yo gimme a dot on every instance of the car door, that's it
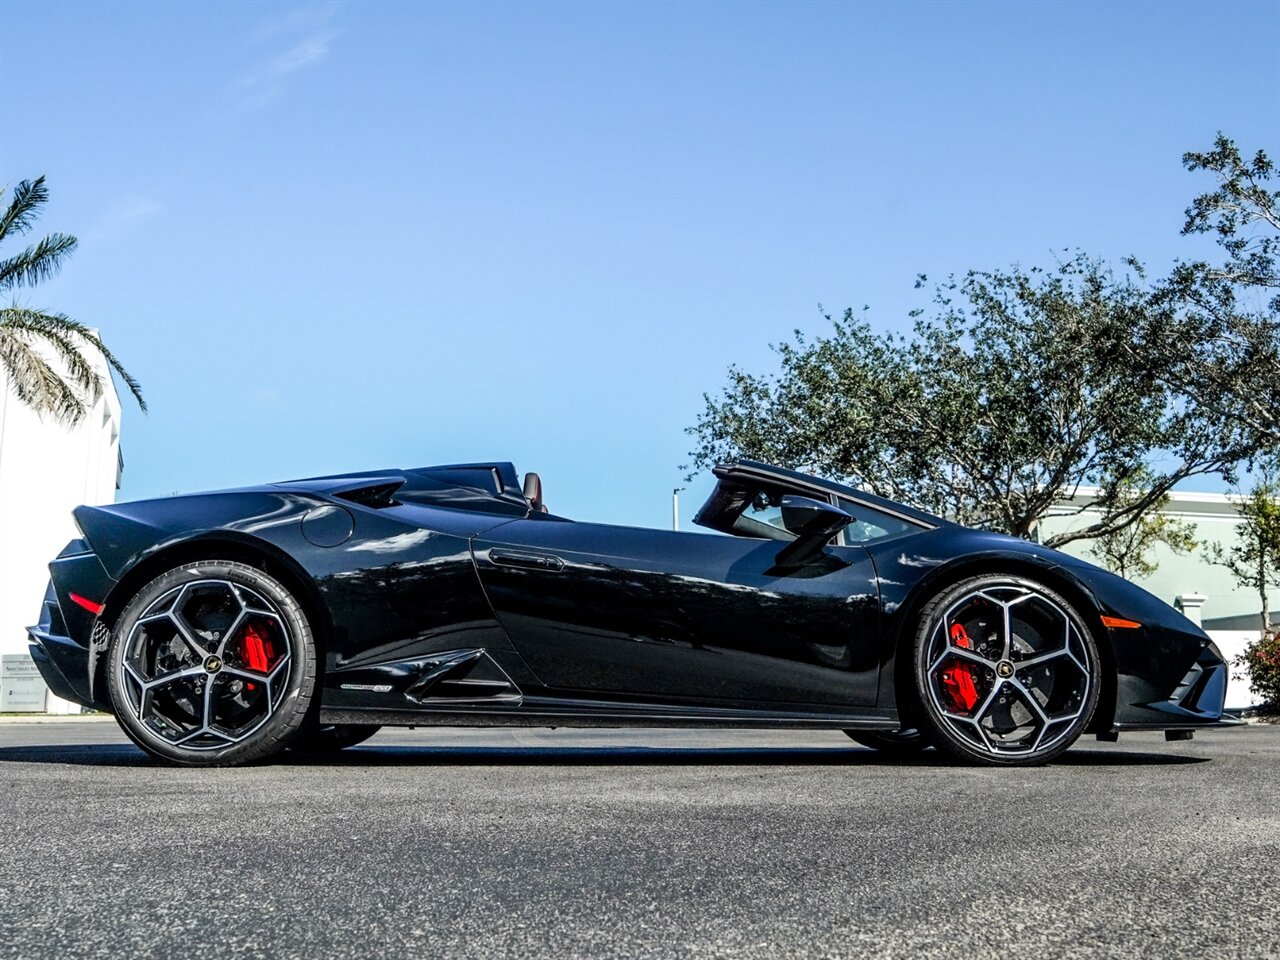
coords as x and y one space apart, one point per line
683 617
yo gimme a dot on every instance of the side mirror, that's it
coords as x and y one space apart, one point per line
806 517
814 522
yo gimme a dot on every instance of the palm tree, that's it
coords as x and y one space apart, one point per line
47 355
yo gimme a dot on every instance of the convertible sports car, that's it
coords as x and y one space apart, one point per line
223 627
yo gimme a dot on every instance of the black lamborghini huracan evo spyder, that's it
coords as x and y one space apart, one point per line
222 627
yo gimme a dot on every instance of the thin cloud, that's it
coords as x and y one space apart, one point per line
123 216
267 81
300 20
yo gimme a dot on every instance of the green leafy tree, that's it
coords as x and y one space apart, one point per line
47 356
1254 560
1241 213
1220 322
1261 663
1127 551
1019 387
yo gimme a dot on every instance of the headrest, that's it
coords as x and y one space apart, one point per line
533 491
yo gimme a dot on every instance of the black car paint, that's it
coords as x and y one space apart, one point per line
551 620
684 617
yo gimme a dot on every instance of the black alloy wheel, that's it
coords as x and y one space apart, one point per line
212 664
1007 671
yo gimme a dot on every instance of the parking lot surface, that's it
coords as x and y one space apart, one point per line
645 843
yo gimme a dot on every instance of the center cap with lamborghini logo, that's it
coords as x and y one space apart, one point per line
213 664
1005 669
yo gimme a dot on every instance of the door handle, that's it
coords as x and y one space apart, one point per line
526 561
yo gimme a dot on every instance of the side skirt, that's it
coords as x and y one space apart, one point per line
555 712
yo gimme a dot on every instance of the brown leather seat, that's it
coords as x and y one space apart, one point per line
533 492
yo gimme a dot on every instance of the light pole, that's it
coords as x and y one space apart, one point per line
675 508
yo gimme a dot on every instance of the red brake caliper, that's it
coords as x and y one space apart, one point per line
957 679
257 650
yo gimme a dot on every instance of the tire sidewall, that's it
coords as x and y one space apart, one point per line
289 715
940 729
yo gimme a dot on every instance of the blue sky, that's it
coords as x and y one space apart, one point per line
364 235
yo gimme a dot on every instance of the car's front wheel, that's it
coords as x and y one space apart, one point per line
212 664
1006 670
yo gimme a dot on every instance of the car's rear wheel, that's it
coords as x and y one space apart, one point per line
902 742
330 738
212 664
1006 670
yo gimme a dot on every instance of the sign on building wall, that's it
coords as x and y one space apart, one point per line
22 689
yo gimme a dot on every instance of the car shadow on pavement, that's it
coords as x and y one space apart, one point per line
372 755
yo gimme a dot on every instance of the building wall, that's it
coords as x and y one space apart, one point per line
1229 614
46 469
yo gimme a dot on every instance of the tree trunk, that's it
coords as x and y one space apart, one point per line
1262 585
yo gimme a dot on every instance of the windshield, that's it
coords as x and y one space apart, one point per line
870 524
748 509
762 517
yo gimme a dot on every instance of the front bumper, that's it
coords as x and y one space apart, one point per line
1166 696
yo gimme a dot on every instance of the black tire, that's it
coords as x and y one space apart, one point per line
332 738
903 743
1004 696
212 664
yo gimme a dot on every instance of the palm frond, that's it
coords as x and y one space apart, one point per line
95 341
62 322
61 335
38 262
28 197
34 380
22 330
47 356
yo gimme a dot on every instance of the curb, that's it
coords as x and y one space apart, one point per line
56 718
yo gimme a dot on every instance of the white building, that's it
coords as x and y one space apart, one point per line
1204 592
46 469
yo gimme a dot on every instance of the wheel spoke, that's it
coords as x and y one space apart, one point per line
189 639
258 676
231 631
137 677
1008 633
175 675
972 657
208 704
1041 658
986 704
1031 699
963 654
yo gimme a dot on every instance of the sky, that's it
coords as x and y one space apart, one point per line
364 235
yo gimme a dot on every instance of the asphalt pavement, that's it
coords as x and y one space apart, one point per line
638 843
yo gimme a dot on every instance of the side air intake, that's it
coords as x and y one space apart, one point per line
376 493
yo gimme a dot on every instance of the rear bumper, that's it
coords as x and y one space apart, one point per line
65 662
64 667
